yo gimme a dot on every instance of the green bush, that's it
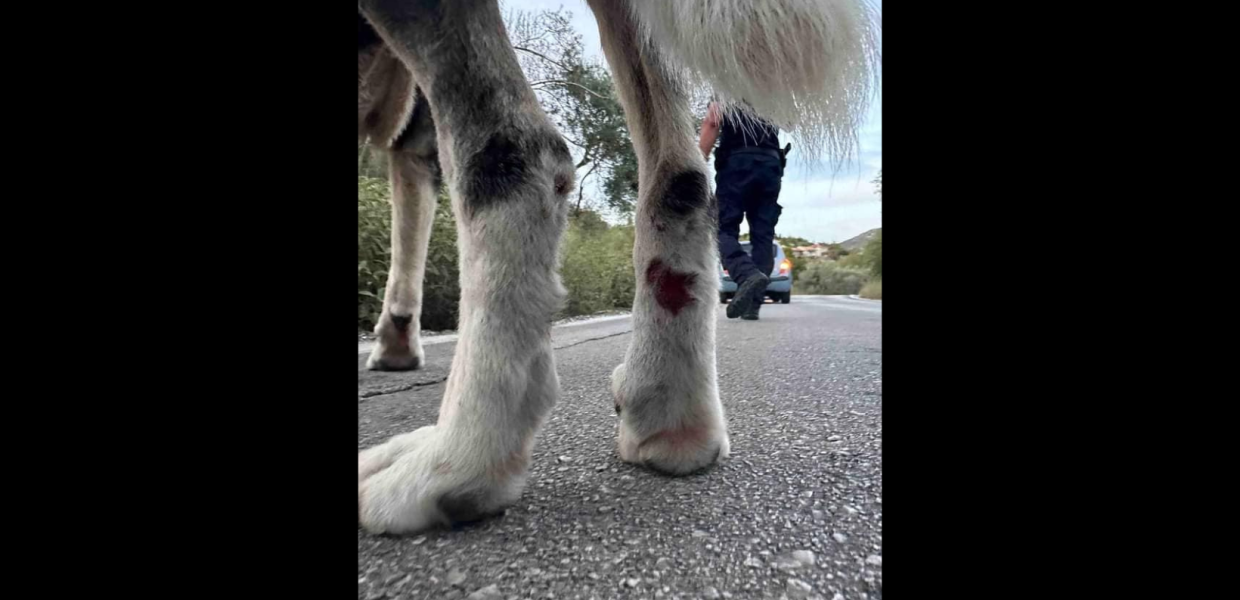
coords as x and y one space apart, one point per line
874 254
854 260
798 264
440 290
868 257
873 290
373 244
597 265
826 277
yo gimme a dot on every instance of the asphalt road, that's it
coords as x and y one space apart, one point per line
802 389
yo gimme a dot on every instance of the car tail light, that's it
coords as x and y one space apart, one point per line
785 266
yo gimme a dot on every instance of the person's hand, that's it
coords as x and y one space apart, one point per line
710 131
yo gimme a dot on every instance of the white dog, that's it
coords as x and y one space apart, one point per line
440 89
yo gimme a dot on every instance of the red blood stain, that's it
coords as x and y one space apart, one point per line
401 339
671 289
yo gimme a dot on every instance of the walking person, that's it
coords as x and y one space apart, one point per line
749 169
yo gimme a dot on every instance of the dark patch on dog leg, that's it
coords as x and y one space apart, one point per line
493 172
402 322
400 341
686 192
671 289
463 507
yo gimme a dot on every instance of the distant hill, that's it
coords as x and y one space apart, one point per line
859 242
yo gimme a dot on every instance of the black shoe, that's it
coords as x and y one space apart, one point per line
752 313
751 291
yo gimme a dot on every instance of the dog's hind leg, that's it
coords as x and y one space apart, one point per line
396 120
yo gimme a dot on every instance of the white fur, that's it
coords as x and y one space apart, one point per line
808 66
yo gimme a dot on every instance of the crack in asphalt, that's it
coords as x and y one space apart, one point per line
594 339
400 388
409 386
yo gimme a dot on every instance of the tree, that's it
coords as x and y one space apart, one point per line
878 185
580 98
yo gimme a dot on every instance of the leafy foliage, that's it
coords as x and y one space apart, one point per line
580 98
826 277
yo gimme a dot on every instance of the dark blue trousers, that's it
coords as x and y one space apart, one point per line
747 186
